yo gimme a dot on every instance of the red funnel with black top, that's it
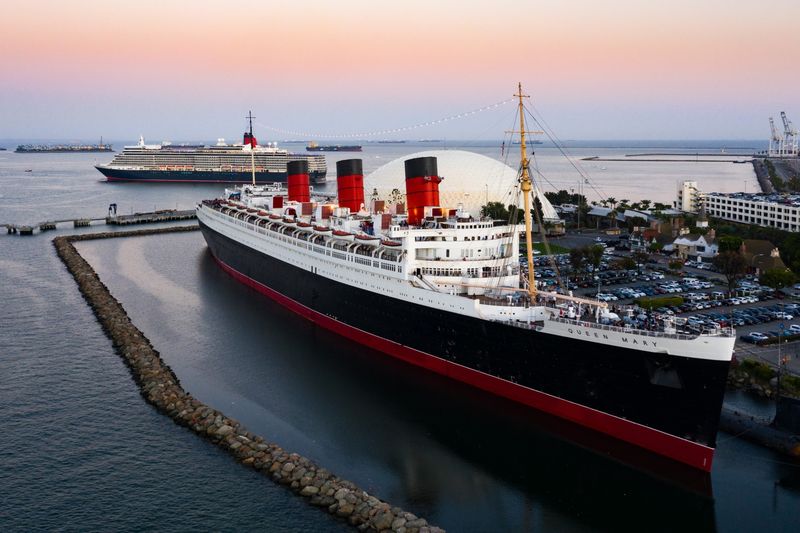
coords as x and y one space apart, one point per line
298 181
422 187
350 184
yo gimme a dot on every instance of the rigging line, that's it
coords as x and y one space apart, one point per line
557 142
318 135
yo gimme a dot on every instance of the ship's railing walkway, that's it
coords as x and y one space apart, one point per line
722 332
329 251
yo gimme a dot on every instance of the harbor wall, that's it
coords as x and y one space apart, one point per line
762 175
160 387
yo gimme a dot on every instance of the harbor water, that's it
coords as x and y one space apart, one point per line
81 450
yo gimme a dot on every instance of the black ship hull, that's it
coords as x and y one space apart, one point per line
198 176
613 390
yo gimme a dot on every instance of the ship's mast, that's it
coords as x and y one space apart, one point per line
526 186
252 148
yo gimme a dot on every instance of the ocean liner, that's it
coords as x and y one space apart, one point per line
222 163
443 289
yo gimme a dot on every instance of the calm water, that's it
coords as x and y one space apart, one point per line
81 450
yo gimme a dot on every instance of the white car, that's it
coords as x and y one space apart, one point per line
783 316
758 336
794 328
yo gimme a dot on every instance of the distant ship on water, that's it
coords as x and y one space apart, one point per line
62 148
221 163
314 147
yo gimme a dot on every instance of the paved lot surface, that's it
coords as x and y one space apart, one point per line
766 354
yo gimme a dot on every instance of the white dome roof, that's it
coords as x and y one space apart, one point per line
469 178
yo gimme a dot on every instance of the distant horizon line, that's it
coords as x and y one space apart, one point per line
378 141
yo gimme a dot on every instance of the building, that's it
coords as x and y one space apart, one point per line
690 198
769 210
761 255
693 246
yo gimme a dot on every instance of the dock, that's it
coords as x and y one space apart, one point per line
164 215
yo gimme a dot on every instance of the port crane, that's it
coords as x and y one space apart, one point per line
790 135
776 141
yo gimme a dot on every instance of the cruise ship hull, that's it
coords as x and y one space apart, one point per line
199 176
617 391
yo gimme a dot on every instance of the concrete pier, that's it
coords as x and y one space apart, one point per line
166 215
161 388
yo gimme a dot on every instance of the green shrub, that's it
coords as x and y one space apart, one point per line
774 340
653 302
760 371
790 385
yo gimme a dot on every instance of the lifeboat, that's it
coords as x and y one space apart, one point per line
304 226
372 240
251 210
262 213
343 235
275 217
387 242
289 221
322 230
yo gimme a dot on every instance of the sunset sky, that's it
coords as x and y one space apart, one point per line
596 70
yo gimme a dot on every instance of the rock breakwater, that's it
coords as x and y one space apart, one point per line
161 388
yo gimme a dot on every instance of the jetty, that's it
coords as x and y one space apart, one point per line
160 387
164 215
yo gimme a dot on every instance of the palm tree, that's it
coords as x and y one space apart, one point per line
612 201
645 204
613 216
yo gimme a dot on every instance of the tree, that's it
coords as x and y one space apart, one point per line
676 265
732 265
612 217
656 246
777 278
624 263
594 255
729 243
640 257
645 204
612 202
577 258
495 211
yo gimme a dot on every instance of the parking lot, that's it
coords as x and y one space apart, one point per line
754 311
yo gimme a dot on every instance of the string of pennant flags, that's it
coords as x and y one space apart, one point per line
361 135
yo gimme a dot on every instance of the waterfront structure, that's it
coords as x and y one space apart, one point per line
690 199
440 288
781 211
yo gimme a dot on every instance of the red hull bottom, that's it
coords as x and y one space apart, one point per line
681 450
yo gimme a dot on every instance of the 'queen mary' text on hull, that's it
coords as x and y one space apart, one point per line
440 289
